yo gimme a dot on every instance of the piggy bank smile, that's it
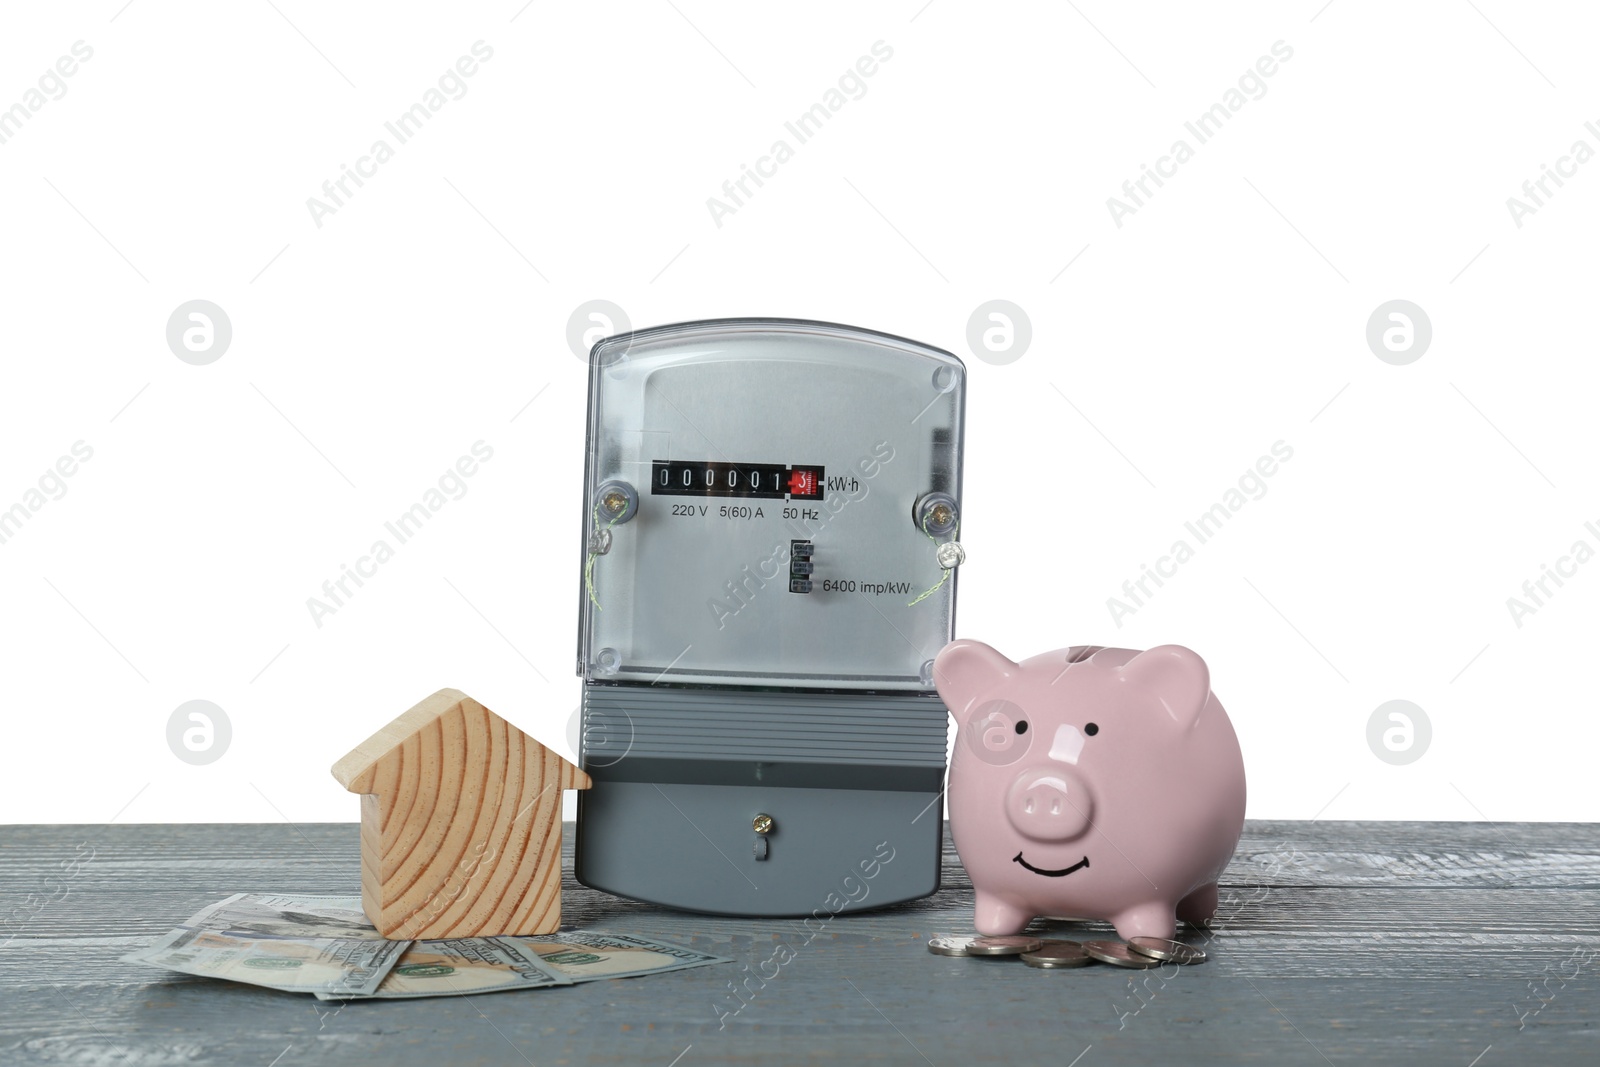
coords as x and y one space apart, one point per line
1062 873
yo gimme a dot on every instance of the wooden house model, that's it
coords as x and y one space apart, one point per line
460 823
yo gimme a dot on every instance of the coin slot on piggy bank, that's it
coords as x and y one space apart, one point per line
757 615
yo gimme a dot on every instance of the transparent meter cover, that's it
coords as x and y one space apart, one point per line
764 504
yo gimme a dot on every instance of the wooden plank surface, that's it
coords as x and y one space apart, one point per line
1336 942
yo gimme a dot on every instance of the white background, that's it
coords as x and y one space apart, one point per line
430 312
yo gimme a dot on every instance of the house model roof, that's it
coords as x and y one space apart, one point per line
358 770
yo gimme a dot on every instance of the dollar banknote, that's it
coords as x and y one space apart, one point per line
300 943
457 967
584 956
304 943
467 965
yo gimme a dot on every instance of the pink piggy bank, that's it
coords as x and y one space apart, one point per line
1096 782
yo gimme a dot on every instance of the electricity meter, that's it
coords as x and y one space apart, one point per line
771 516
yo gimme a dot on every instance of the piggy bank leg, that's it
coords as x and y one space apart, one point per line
1198 907
994 917
1154 919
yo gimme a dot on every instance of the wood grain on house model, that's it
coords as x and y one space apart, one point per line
460 823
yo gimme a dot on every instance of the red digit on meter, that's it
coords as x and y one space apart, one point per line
802 482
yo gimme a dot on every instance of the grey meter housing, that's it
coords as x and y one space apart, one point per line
770 521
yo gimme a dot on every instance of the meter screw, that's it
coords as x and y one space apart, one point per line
762 825
936 514
615 502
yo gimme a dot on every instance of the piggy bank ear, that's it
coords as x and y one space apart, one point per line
965 670
1175 676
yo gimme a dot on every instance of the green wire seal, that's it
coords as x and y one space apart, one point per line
594 554
945 577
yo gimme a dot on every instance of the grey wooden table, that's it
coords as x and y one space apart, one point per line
1421 943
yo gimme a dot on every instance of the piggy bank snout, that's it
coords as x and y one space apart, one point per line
1049 804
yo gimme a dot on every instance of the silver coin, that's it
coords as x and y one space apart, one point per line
949 946
1163 948
1056 954
1009 945
1119 955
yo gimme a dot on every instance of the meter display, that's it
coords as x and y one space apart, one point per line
768 567
704 478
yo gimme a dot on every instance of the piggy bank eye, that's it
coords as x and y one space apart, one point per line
1091 729
998 733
